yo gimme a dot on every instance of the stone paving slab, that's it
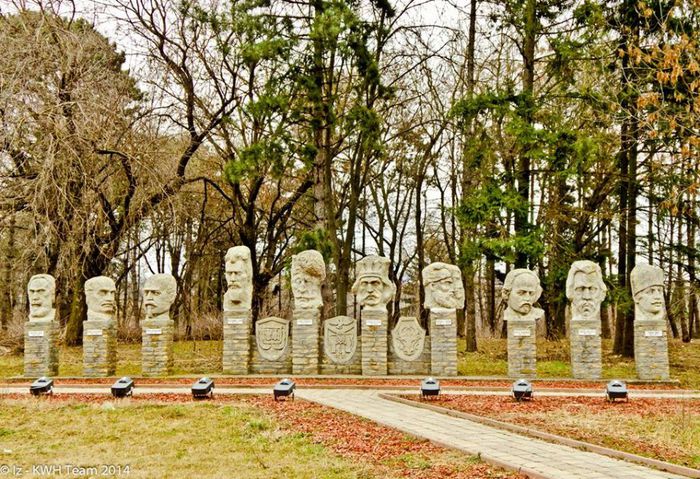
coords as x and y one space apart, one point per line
534 457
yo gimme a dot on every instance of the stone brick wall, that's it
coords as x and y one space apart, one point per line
261 365
374 343
396 365
522 348
306 328
651 349
586 349
443 342
237 341
41 348
99 348
157 346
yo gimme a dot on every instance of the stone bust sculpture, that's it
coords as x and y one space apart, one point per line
41 291
100 293
158 295
239 278
585 289
372 286
647 284
308 272
521 290
443 286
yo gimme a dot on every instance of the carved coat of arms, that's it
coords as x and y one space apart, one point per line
340 338
272 336
408 339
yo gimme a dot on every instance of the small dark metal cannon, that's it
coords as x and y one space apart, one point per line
522 390
616 389
203 388
123 387
284 388
41 386
429 387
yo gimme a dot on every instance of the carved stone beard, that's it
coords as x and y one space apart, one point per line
235 298
534 314
45 314
99 316
577 314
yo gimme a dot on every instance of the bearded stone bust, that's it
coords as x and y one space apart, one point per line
443 286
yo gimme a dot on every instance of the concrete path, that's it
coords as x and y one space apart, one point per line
538 459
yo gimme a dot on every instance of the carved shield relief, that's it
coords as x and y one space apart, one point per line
272 336
408 339
340 338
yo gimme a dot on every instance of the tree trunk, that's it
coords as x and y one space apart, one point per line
470 319
7 292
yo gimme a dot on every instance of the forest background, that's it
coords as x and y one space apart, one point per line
144 136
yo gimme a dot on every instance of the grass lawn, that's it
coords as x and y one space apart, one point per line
553 361
668 430
242 438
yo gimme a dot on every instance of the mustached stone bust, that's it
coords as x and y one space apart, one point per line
41 291
239 278
373 287
521 290
100 296
443 286
308 273
585 289
158 295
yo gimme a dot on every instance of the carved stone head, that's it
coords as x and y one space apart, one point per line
158 295
521 290
308 272
372 286
239 278
41 291
647 284
585 289
100 293
443 286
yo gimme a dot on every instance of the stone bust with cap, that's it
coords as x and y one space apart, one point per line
41 291
443 286
585 289
521 290
308 273
372 286
647 284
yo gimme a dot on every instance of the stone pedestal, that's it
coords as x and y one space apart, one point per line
522 348
99 348
443 342
237 341
41 348
651 349
157 346
586 349
306 327
374 342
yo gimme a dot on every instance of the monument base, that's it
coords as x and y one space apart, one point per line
237 341
443 342
374 342
99 348
651 350
306 327
41 348
157 346
522 348
586 349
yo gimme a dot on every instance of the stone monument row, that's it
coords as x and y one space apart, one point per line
586 291
42 330
100 328
310 344
650 339
521 290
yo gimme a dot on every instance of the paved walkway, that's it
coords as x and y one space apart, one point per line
536 458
